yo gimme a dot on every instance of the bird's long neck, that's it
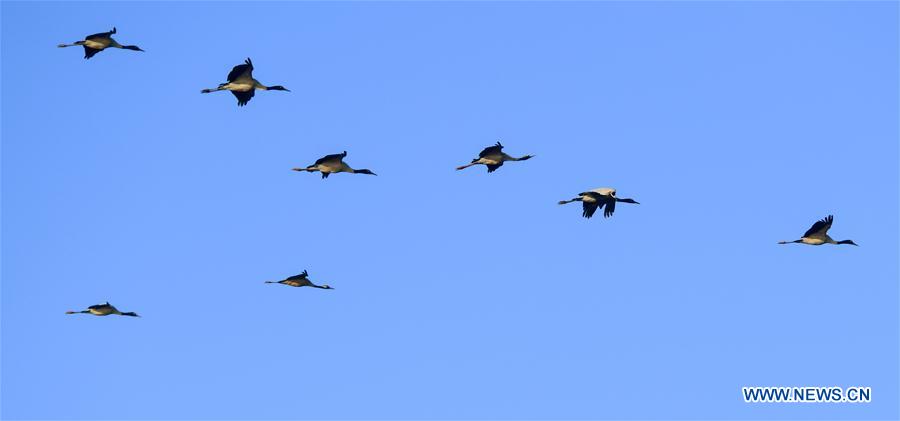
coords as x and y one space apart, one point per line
74 44
129 313
577 199
260 86
78 312
789 242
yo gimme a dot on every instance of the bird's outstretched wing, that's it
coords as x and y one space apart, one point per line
100 35
338 157
493 167
241 70
244 97
590 207
491 150
297 277
90 52
820 227
610 207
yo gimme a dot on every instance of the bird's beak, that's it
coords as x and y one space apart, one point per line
296 169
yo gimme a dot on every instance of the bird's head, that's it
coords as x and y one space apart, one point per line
364 171
130 313
298 169
71 312
629 201
526 157
326 286
132 47
278 88
848 242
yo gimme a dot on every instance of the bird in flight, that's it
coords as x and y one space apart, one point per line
493 157
242 84
818 234
98 42
330 164
301 280
595 199
103 310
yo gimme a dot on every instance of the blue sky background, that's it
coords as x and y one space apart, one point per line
458 294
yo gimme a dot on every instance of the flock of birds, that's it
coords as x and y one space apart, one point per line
243 86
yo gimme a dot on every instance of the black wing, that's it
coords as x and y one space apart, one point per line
100 35
493 167
610 207
239 70
89 52
338 157
297 277
244 97
823 224
589 208
491 150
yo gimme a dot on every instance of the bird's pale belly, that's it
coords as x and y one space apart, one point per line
99 313
95 45
813 241
240 87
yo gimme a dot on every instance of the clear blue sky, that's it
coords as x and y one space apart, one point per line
458 294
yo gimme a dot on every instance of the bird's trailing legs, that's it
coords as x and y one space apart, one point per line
220 88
